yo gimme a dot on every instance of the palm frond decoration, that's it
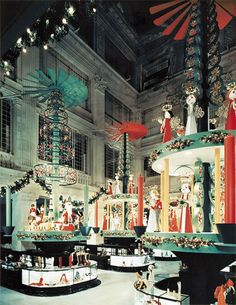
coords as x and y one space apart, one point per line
72 89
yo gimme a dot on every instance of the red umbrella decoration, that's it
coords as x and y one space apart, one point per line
134 130
126 131
180 11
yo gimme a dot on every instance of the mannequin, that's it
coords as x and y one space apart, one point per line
131 184
185 218
166 127
109 189
117 185
191 126
231 114
155 212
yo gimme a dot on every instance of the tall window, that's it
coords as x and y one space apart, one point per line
5 126
53 60
118 61
80 144
111 161
115 110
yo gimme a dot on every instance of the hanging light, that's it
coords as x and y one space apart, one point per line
64 21
45 47
24 50
70 10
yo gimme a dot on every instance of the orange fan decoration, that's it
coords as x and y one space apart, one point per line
180 11
134 130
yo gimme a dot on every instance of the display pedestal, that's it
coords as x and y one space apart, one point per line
95 239
203 275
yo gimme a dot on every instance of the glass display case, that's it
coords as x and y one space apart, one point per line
59 277
130 260
153 295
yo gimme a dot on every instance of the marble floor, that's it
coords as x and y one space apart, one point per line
116 289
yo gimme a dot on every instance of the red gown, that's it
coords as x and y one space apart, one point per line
231 117
166 129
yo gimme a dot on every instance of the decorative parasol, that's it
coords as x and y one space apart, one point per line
126 131
134 130
175 15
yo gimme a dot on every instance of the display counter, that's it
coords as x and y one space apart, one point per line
130 262
49 281
152 295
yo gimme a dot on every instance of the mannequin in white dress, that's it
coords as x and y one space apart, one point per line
117 190
191 126
155 212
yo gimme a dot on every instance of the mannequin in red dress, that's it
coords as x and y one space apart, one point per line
166 127
231 115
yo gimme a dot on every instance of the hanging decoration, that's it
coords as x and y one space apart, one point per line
24 181
126 132
6 66
52 26
61 90
215 81
175 15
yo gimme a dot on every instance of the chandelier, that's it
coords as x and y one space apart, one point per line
60 90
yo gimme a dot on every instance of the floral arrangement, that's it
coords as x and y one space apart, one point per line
122 196
179 144
154 155
125 233
44 236
214 137
184 242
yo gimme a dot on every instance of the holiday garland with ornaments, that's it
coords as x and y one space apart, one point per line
29 175
184 242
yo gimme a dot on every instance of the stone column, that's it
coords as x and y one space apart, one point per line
98 109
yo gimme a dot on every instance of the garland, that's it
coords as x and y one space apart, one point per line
179 144
44 236
123 196
214 137
183 242
119 233
98 195
21 183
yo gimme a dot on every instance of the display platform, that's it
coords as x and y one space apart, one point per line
187 149
203 258
187 242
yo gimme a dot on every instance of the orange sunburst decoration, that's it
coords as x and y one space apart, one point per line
134 130
180 10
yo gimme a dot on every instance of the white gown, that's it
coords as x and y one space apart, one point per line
191 126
